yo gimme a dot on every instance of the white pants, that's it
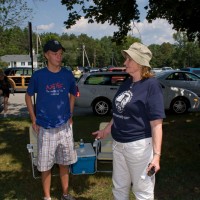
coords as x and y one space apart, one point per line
130 161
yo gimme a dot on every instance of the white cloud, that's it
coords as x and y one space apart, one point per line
157 32
46 27
95 30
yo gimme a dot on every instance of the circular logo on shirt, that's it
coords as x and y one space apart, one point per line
122 99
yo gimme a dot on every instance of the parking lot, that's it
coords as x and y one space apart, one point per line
17 107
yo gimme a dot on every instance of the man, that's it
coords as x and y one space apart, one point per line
56 90
77 73
5 86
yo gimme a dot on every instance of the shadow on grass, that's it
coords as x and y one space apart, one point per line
178 179
15 164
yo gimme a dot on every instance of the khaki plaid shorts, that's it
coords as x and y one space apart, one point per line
55 145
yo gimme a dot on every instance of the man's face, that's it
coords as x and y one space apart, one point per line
54 58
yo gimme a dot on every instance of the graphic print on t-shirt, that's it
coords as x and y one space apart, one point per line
55 88
122 99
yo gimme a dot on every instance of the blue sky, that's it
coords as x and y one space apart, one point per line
49 15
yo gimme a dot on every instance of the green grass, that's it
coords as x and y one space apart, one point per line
179 178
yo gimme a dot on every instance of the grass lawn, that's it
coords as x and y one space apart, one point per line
179 178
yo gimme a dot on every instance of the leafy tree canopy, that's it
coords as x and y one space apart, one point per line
104 11
13 13
184 15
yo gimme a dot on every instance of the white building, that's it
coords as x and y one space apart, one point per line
20 60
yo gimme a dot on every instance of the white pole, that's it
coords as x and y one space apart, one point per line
83 55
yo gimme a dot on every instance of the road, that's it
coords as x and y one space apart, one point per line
17 107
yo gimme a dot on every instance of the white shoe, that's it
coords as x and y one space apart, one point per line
5 115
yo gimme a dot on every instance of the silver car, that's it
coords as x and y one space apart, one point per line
97 90
180 79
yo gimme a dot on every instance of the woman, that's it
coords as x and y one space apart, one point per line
136 127
4 90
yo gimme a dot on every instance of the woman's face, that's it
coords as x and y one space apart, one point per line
132 67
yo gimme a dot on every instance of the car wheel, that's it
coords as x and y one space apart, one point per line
179 105
101 107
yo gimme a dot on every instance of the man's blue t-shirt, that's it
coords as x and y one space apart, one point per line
52 102
134 106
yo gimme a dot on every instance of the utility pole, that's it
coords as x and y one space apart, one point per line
94 57
38 42
112 57
83 52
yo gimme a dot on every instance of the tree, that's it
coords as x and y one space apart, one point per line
13 13
184 15
102 11
186 54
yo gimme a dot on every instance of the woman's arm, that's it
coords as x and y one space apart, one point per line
101 134
156 129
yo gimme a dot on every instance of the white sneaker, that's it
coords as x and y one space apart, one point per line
46 198
5 115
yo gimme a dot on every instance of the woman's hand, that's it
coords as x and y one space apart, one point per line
154 163
100 134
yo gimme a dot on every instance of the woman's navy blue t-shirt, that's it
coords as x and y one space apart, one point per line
134 106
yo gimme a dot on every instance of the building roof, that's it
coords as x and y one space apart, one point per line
18 58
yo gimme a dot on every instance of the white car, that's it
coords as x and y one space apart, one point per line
97 90
180 79
180 100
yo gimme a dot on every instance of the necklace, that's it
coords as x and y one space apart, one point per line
132 85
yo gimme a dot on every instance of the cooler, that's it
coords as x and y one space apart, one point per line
85 160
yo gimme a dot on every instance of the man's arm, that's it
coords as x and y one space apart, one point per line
29 104
72 99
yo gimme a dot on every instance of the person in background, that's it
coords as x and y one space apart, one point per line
5 86
136 127
77 73
56 91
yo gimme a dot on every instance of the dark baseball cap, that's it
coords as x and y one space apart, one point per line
53 45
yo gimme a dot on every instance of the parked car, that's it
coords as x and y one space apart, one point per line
167 68
179 100
116 69
94 69
156 70
180 79
20 77
97 90
84 69
193 70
